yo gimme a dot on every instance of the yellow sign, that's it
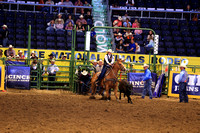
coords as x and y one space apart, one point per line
137 58
2 70
193 85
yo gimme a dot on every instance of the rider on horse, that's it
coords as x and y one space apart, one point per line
108 61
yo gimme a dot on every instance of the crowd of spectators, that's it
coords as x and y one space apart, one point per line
66 3
60 24
124 38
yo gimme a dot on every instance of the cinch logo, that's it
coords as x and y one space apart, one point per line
16 77
138 84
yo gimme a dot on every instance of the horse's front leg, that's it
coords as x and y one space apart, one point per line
93 86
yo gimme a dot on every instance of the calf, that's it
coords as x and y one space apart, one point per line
125 87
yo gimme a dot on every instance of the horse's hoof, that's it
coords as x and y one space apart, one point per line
92 97
103 98
108 100
118 100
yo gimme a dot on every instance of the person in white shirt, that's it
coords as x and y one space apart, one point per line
130 3
51 71
108 62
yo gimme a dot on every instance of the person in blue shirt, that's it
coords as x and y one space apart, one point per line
132 46
147 80
183 78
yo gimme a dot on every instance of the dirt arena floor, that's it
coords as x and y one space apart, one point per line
62 112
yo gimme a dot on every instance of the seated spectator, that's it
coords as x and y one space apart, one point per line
195 17
116 32
86 4
127 33
120 47
59 26
21 56
51 26
17 58
33 55
117 22
187 15
138 32
60 8
59 19
84 81
93 35
137 48
47 8
82 20
125 24
68 3
4 35
69 26
132 47
39 8
1 53
69 20
88 16
80 27
130 3
128 39
150 39
125 17
10 51
63 57
135 24
118 38
78 3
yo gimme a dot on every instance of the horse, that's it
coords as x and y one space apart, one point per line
110 79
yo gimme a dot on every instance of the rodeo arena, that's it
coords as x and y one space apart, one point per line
100 66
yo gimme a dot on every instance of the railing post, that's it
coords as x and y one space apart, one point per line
29 43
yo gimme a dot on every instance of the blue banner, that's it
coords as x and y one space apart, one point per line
193 86
158 88
18 77
136 78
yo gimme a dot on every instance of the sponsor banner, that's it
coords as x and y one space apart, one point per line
18 77
193 86
136 78
2 77
137 58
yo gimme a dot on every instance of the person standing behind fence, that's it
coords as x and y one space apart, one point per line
100 66
51 71
183 79
84 81
148 81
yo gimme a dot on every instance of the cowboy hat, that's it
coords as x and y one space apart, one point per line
120 18
130 34
84 72
59 14
33 52
145 65
5 26
109 50
59 19
10 46
81 16
20 51
119 34
51 54
17 56
183 65
53 60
